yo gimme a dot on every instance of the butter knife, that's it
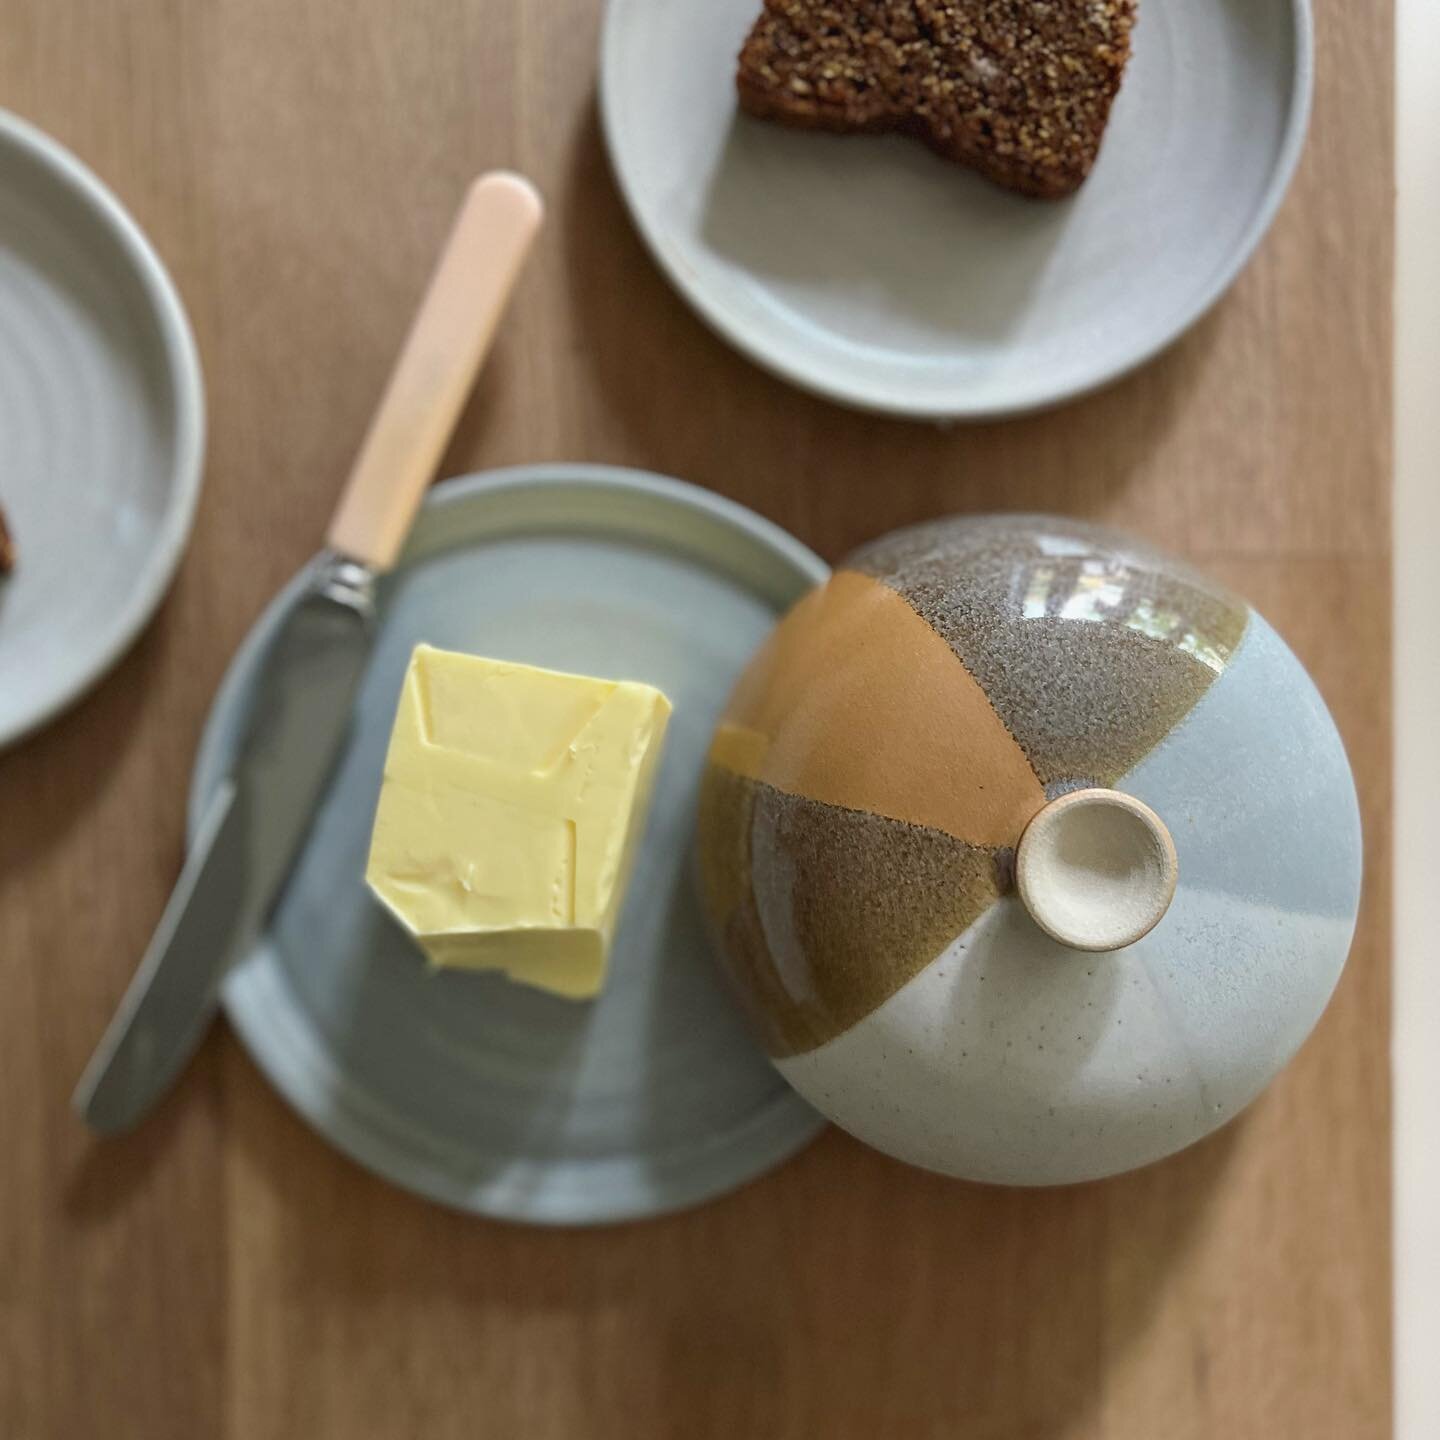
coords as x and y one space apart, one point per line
252 827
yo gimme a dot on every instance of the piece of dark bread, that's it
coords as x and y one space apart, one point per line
1018 89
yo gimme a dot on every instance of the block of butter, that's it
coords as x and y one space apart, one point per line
510 814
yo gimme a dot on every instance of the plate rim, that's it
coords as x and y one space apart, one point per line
670 259
186 379
296 1080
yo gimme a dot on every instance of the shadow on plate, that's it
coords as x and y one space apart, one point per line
781 205
501 1089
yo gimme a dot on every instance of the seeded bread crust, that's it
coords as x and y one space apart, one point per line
1020 90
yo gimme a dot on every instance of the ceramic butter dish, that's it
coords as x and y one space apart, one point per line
1033 854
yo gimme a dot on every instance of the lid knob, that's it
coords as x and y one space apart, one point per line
1096 869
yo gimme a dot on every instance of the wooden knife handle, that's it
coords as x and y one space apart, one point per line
443 352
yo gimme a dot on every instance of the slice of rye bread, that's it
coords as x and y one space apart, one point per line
1018 89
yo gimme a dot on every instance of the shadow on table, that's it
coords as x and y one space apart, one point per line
112 1172
55 775
731 426
844 1289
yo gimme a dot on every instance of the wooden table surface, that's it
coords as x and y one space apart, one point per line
224 1273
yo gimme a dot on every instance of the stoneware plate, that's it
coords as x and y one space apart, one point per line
101 427
465 1087
871 271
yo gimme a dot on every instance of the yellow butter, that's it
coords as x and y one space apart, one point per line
510 814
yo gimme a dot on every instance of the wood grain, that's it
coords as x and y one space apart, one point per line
223 1273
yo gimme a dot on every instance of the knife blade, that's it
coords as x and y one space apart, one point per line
307 678
244 846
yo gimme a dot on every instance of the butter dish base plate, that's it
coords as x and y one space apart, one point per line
467 1088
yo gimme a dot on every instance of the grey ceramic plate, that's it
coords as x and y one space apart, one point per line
873 272
469 1089
101 427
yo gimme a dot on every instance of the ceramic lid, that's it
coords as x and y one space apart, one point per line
1189 868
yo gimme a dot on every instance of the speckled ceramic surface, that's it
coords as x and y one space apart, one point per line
872 777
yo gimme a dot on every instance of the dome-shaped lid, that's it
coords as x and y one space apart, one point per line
1187 877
